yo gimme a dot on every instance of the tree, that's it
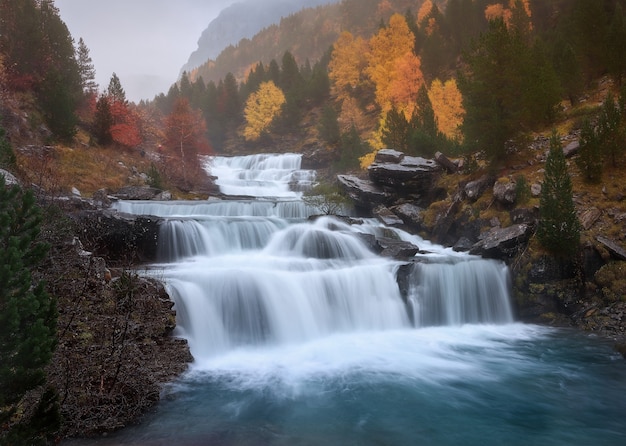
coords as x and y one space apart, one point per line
86 68
388 46
115 91
27 312
559 229
447 104
611 129
347 65
326 198
7 155
328 126
589 160
185 132
103 120
262 108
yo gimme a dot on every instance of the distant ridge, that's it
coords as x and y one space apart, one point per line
243 20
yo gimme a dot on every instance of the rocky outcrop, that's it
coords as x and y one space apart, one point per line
502 243
404 173
365 193
119 237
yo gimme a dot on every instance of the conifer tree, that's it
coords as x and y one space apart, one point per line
27 312
86 68
589 160
559 228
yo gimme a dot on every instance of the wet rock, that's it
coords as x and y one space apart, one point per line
387 217
395 248
411 173
389 156
502 243
411 214
364 193
463 245
138 193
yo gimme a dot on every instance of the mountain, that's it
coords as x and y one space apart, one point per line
243 20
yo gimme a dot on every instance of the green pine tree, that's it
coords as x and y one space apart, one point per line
559 228
589 160
7 156
27 312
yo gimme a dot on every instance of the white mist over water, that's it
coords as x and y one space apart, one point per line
300 335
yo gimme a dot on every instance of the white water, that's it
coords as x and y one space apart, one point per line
256 273
300 336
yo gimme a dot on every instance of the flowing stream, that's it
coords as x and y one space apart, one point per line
301 336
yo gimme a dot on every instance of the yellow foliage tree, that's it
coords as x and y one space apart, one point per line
517 15
390 44
447 103
347 64
423 12
262 107
406 84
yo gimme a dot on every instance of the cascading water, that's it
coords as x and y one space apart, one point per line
301 335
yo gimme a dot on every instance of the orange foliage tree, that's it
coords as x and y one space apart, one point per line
447 103
185 133
125 130
406 84
347 65
387 47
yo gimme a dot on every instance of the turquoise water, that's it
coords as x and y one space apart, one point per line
472 385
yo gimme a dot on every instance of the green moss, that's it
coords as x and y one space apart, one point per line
612 280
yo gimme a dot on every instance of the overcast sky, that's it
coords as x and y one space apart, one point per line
145 42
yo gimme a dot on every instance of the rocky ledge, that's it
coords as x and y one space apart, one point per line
588 291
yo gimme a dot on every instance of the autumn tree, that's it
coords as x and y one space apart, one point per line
389 46
447 104
559 229
185 132
262 108
347 65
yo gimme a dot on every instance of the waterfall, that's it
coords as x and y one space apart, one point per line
250 273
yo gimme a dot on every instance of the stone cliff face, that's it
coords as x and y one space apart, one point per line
587 291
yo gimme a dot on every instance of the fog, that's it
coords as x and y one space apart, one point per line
145 42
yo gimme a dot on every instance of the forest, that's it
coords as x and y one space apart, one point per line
473 79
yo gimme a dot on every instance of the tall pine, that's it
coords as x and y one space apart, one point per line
27 312
559 228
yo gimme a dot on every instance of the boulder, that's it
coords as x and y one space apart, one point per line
614 249
446 163
529 216
411 214
504 191
571 149
474 189
364 193
9 178
395 248
502 243
535 190
387 217
119 237
589 217
411 173
388 156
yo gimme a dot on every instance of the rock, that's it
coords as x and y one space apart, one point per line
463 244
411 173
535 190
504 191
138 193
502 243
9 178
616 251
589 217
119 237
571 149
389 156
446 163
364 193
529 216
395 248
101 198
411 215
474 189
387 217
165 195
75 192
